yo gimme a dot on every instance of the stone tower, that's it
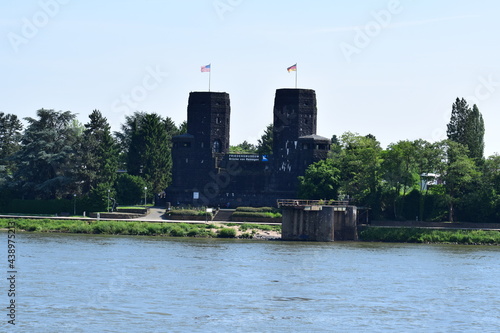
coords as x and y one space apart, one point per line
294 116
295 143
196 154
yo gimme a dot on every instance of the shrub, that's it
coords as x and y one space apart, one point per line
227 233
257 214
415 235
177 232
257 209
189 212
129 189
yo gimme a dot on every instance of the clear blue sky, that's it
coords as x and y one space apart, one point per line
389 68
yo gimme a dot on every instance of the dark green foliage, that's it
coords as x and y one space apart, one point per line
10 138
475 134
45 163
416 235
265 143
97 199
182 128
459 114
359 161
321 181
43 207
130 189
98 157
466 127
460 175
411 204
149 150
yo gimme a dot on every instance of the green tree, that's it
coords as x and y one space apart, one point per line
466 127
124 136
482 203
45 162
149 153
243 148
360 166
10 138
492 172
406 165
97 199
265 143
321 181
400 166
459 175
182 129
399 171
474 134
98 154
129 189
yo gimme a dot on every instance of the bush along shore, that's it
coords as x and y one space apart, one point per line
420 235
258 214
210 230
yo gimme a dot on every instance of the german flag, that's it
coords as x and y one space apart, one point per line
292 68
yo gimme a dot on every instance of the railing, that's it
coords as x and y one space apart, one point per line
300 203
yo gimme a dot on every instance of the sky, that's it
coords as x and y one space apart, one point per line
388 68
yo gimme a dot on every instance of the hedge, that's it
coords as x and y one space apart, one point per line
256 209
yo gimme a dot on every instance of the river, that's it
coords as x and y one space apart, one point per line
82 283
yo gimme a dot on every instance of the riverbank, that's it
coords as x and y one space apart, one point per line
246 231
142 228
437 236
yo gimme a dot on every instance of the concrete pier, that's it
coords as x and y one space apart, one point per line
316 221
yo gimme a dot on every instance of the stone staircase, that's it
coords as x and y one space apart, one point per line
224 215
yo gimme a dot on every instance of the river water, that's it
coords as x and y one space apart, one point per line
81 283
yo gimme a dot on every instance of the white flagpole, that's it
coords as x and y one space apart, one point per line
209 77
296 73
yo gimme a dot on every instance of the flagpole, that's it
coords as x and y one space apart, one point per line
209 78
296 73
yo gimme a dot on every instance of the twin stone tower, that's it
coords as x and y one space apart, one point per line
205 173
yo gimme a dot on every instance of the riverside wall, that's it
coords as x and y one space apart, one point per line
319 223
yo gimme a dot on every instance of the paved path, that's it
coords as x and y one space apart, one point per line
155 214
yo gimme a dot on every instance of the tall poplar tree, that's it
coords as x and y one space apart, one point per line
474 134
466 127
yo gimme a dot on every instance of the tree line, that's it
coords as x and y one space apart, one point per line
448 180
56 157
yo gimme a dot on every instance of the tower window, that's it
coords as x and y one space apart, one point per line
217 120
216 146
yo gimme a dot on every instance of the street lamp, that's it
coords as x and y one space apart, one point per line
74 204
108 199
145 189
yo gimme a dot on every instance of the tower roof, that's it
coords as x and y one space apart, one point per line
314 137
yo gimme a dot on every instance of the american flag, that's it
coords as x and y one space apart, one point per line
205 69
